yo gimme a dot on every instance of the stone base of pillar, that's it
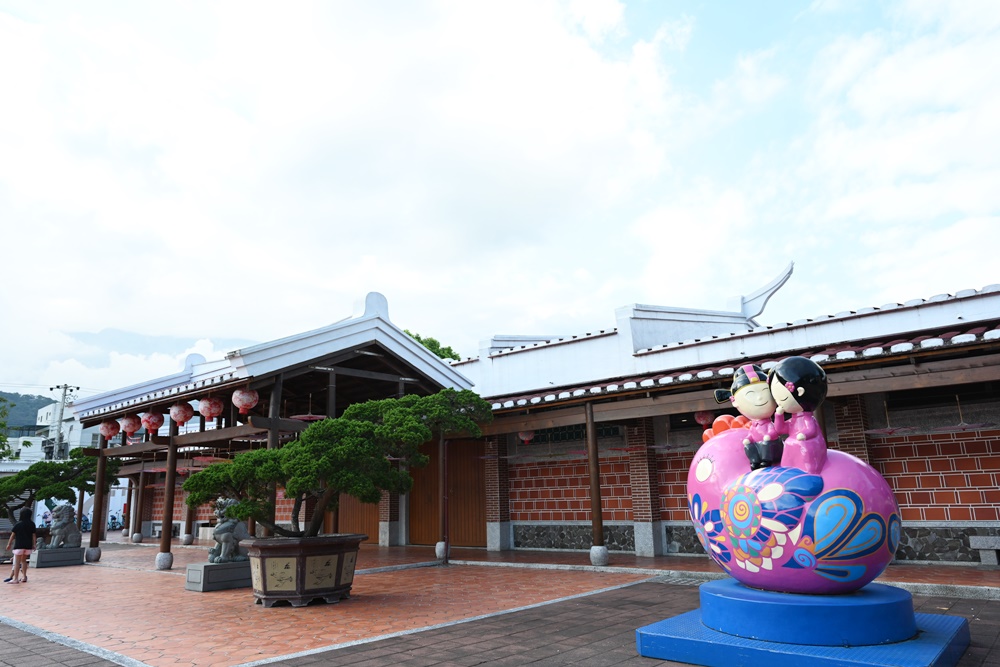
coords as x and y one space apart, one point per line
136 538
499 536
598 556
439 551
164 560
388 534
92 554
650 540
188 538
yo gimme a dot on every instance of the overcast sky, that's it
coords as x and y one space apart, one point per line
197 176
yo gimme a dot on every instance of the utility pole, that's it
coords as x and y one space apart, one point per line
66 389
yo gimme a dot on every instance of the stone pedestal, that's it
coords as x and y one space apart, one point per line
205 577
57 557
164 560
599 556
874 626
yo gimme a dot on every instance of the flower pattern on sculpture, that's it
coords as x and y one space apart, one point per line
837 531
711 532
762 511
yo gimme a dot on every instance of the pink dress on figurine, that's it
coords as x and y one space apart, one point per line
805 447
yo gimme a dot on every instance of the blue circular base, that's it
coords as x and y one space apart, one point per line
876 614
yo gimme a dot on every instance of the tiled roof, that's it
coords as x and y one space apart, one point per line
844 351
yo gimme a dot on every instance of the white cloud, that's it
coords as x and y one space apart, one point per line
190 170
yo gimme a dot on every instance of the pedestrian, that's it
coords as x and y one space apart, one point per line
24 535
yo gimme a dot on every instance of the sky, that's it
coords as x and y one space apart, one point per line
195 177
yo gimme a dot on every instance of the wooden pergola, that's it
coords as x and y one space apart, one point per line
298 380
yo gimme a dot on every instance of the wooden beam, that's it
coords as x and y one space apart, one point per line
915 376
134 450
368 375
862 381
215 435
603 412
282 424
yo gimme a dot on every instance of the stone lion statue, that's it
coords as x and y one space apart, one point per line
64 531
228 533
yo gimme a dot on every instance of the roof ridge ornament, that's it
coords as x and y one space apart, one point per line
753 304
376 305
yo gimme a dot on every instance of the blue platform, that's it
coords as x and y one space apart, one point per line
932 640
876 614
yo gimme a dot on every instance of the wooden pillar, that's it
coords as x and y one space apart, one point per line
79 508
168 490
102 467
189 521
594 463
273 413
140 502
129 508
331 395
443 494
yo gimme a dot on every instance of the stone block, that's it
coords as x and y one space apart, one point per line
205 577
59 557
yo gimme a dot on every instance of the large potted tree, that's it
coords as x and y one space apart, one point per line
367 450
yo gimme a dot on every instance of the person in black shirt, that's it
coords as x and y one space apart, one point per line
23 535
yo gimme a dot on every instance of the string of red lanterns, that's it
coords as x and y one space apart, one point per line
209 407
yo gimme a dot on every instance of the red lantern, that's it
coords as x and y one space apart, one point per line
704 417
210 407
181 413
130 424
109 428
152 421
526 436
244 399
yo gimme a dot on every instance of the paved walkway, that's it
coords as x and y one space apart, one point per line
512 608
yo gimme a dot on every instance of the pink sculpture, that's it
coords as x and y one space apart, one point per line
821 522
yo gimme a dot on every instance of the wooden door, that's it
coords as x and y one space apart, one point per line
358 517
466 496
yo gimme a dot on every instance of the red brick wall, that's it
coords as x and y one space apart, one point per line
497 480
642 471
153 511
388 507
851 414
560 490
672 473
942 476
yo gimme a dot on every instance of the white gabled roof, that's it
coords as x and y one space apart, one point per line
270 358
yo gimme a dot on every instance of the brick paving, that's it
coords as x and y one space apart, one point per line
123 612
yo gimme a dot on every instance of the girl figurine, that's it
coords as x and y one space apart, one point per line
751 396
798 385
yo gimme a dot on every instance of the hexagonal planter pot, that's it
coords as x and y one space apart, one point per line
299 570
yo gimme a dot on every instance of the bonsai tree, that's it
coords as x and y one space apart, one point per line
362 453
58 480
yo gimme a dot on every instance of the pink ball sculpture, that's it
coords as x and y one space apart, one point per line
817 522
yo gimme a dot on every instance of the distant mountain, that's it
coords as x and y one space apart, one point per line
26 407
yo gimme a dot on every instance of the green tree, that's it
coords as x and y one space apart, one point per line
58 480
5 407
434 346
367 450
